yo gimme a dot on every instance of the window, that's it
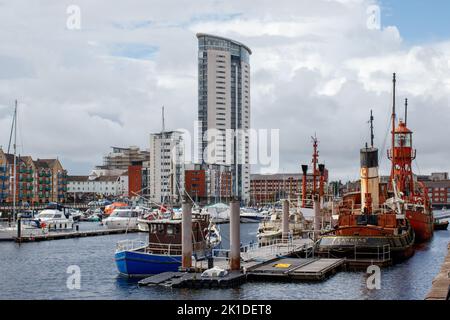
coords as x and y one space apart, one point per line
403 140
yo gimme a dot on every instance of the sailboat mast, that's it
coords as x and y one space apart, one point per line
15 162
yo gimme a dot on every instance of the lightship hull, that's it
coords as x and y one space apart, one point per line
422 225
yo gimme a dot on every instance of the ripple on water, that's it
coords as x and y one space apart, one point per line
38 271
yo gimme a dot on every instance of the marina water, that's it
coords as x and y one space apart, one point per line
39 271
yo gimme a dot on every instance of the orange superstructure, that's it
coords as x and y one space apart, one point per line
414 194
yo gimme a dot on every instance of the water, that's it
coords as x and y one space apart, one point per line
39 271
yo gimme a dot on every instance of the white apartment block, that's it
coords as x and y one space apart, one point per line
166 167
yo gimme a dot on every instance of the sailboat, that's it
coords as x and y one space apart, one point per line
21 227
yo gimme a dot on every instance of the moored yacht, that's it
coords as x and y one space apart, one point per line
270 229
122 218
252 216
55 219
28 228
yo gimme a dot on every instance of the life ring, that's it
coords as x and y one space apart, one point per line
43 225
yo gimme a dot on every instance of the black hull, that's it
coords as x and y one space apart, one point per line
441 225
381 248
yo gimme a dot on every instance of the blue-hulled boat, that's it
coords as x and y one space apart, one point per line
162 252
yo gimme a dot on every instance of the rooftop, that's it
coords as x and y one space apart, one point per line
226 39
277 176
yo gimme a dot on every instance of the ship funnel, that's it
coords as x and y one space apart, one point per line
369 179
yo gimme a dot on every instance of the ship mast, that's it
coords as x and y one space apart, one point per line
314 162
393 130
371 129
406 112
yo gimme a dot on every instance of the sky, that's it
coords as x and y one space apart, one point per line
317 67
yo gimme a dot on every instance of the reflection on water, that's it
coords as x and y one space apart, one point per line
38 271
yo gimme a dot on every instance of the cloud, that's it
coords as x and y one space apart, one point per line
316 68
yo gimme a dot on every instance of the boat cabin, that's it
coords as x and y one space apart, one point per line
164 234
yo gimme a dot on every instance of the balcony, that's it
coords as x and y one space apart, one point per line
45 175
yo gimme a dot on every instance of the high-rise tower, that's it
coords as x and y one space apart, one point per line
224 107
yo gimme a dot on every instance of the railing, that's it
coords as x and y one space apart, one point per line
259 250
161 248
125 245
382 253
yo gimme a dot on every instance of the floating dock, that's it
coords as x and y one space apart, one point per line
194 280
440 289
309 269
74 234
278 261
293 269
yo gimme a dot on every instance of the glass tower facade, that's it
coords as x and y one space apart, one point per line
224 107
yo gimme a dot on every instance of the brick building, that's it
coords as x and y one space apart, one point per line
208 183
269 188
37 181
438 186
135 179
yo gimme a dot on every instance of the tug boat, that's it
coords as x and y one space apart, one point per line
162 252
367 229
374 224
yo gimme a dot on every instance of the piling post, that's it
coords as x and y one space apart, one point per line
317 217
186 233
19 228
235 235
285 219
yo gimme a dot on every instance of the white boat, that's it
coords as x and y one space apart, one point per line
271 229
29 228
55 219
219 213
75 214
122 219
252 216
